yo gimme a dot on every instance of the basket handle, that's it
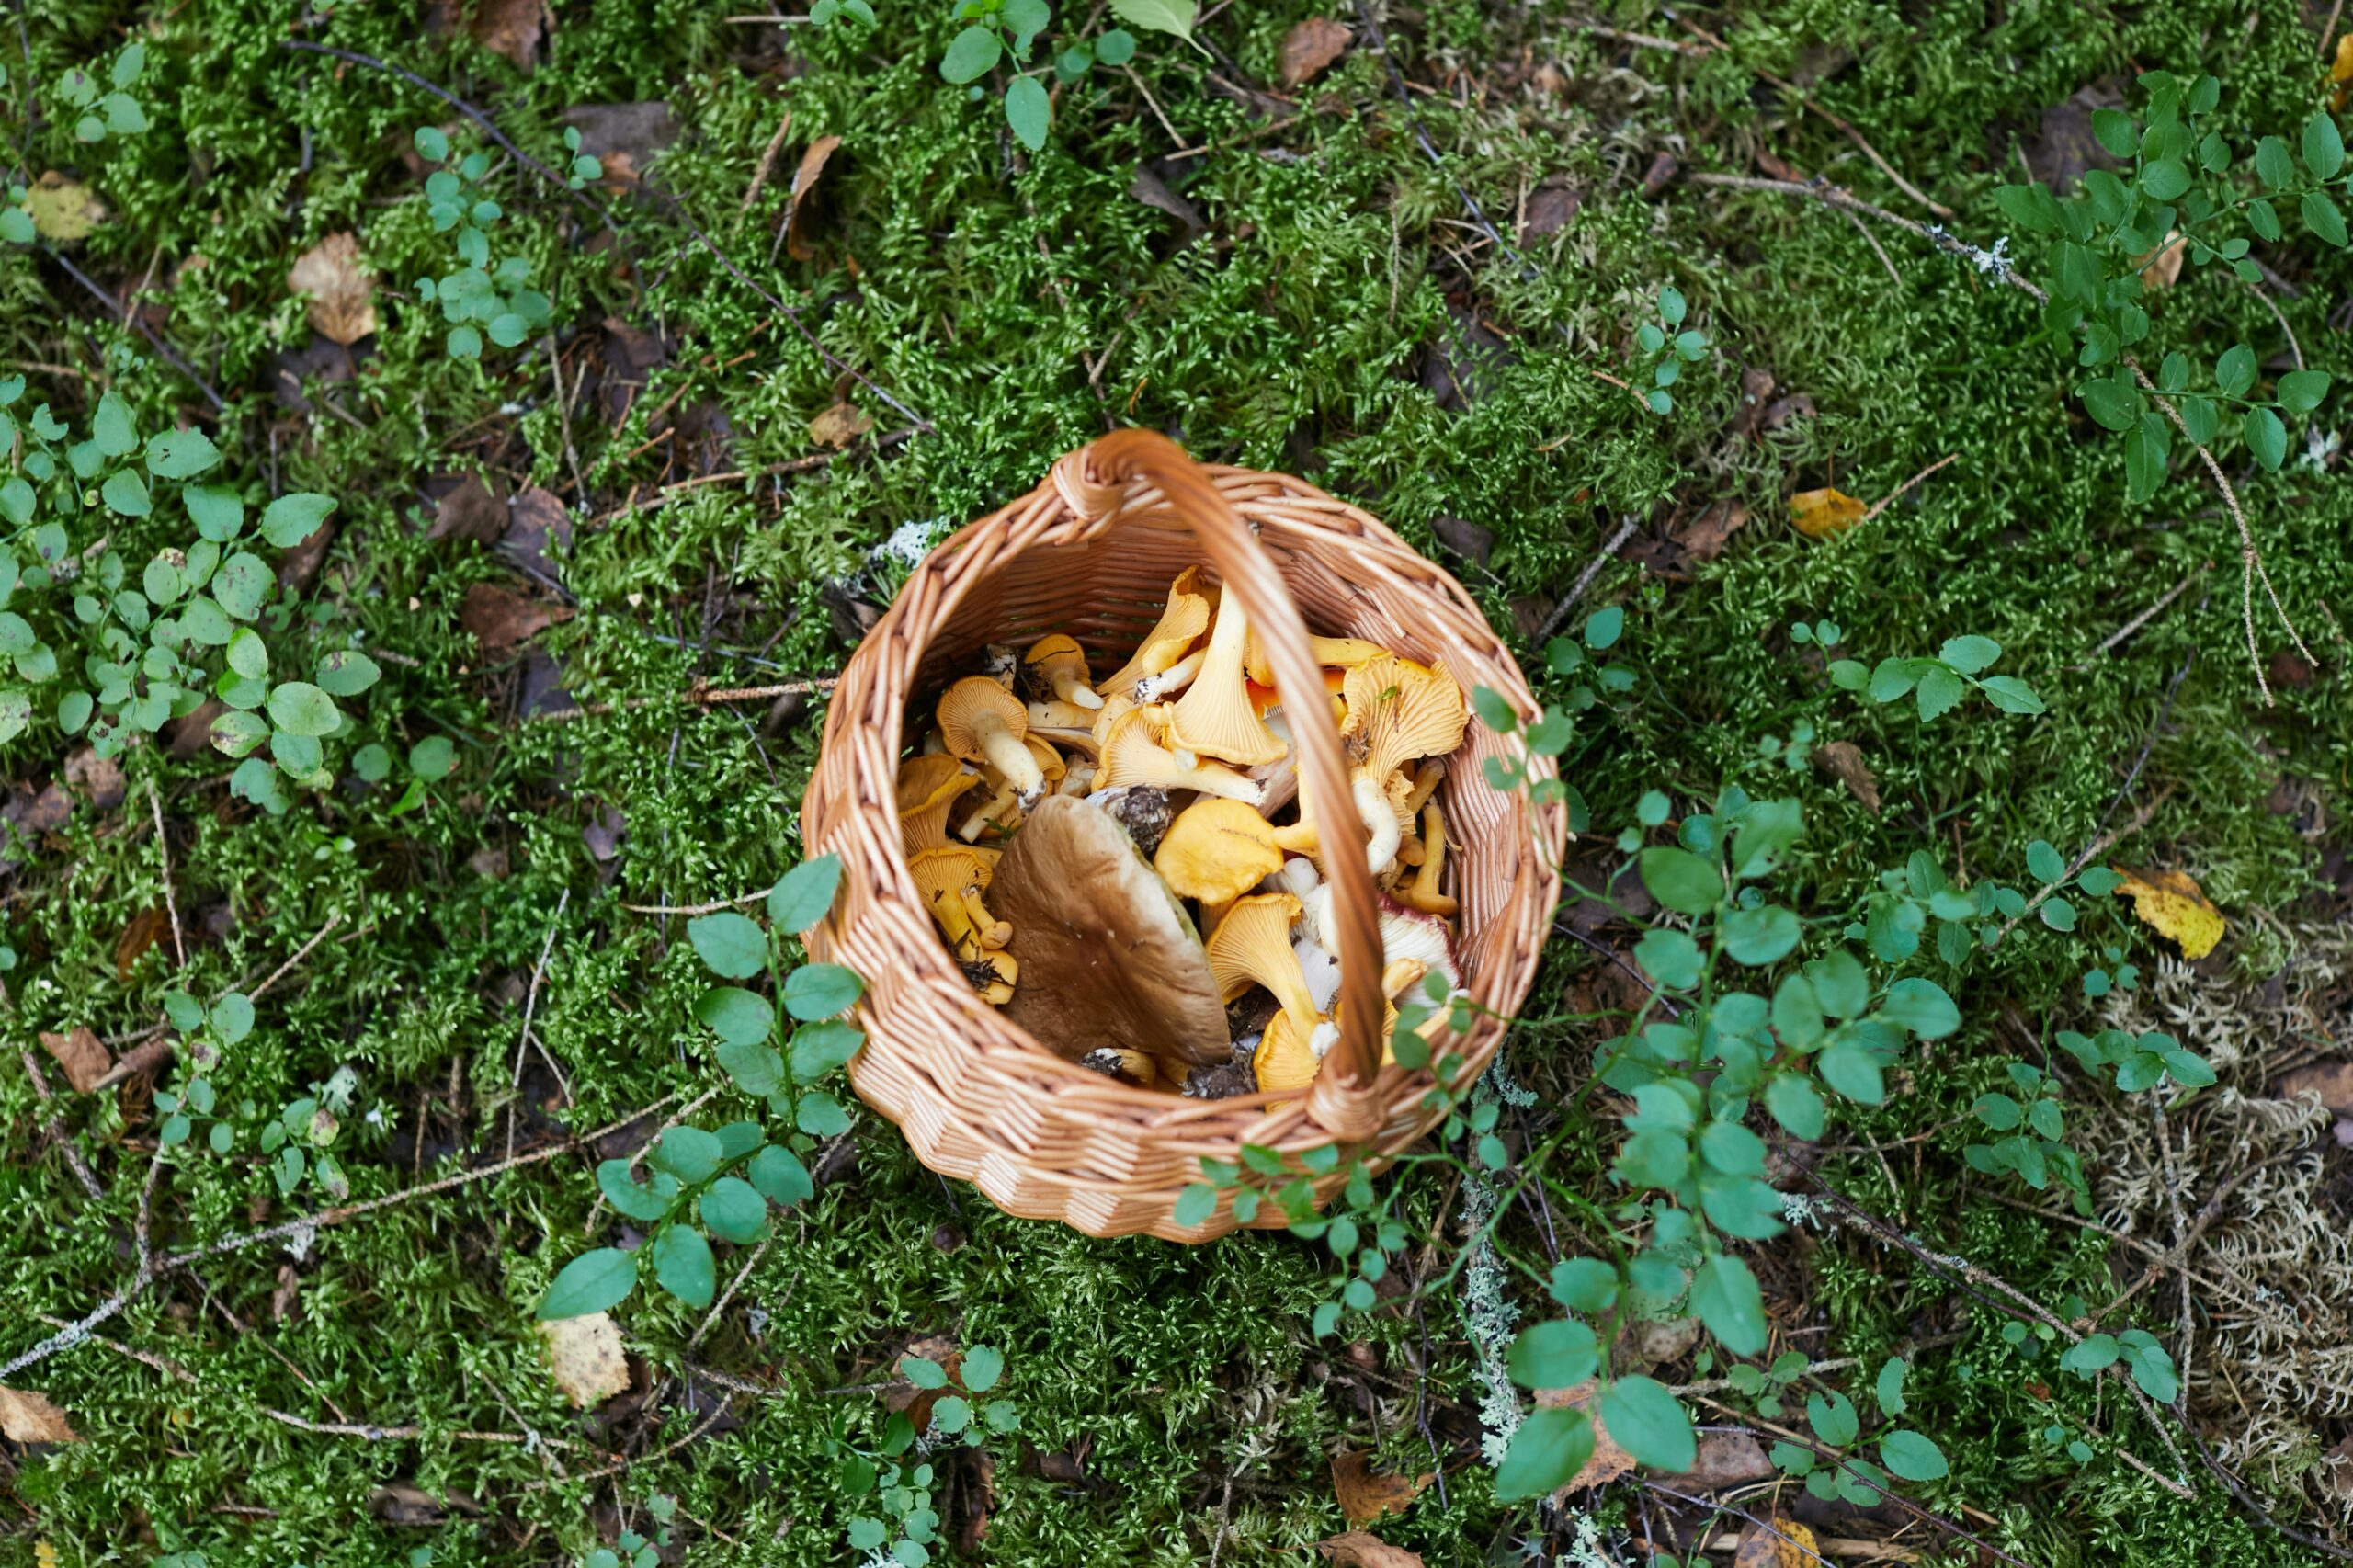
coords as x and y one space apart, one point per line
1340 1101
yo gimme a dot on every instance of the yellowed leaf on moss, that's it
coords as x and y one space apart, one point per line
28 1417
2171 903
341 288
1365 1494
1819 514
2341 70
585 1355
839 425
63 209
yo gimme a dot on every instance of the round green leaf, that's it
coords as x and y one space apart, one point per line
1681 880
801 896
291 518
1648 1423
590 1283
780 1178
821 1047
181 454
302 707
432 757
346 672
730 944
1908 1454
735 1014
125 494
232 1017
1557 1354
690 1153
235 733
2324 146
1725 1295
733 1210
1546 1451
248 654
242 584
1028 111
2266 438
972 54
983 1366
820 990
684 1266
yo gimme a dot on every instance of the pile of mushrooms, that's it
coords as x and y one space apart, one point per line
1127 867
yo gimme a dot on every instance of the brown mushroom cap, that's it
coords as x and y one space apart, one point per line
1110 957
982 721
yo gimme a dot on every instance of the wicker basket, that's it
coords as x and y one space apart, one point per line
1091 552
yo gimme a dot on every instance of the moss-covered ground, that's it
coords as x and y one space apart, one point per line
1330 302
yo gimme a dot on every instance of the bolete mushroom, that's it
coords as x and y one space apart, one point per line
1252 947
1423 892
982 721
928 790
1215 717
1183 619
1112 959
951 882
1132 756
1059 665
1218 850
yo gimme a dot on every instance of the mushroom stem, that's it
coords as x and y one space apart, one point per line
1172 680
1423 892
1010 757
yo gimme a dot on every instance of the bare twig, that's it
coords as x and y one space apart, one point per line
768 159
54 1130
1903 489
1585 579
531 1006
701 696
398 1434
153 339
2142 620
164 849
712 908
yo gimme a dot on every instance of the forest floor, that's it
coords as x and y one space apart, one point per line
813 304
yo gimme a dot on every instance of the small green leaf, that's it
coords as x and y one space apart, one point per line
181 454
347 671
1556 1354
1028 111
302 709
1172 16
644 1204
1649 1423
291 518
1911 1456
684 1266
590 1283
735 1014
730 944
780 1178
125 494
2324 146
821 990
1970 654
1888 1387
1680 879
972 54
2266 438
1547 1452
2011 694
803 894
690 1153
1724 1294
733 1210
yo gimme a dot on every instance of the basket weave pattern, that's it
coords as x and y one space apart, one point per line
1090 555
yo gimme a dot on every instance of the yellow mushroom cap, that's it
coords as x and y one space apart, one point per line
1182 619
1215 717
1283 1060
928 790
982 721
951 882
1061 664
1131 755
1343 652
1252 947
1399 710
1217 850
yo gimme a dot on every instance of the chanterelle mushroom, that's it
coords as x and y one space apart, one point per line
1112 959
928 789
1182 619
1399 710
951 882
1219 849
982 721
1423 892
1215 717
1131 755
1059 664
1287 1059
1003 807
1252 947
1343 652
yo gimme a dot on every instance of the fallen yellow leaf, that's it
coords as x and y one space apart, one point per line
341 287
1819 514
585 1354
2340 71
2170 903
839 425
63 209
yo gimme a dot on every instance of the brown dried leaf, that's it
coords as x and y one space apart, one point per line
1609 1460
1756 386
78 1051
1357 1550
63 209
146 928
2331 1081
585 1354
2161 268
28 1417
1821 513
804 184
1843 760
473 510
1726 1460
533 519
1312 46
100 778
510 28
1704 537
1785 1544
342 289
1364 1495
286 1300
501 619
839 425
44 810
